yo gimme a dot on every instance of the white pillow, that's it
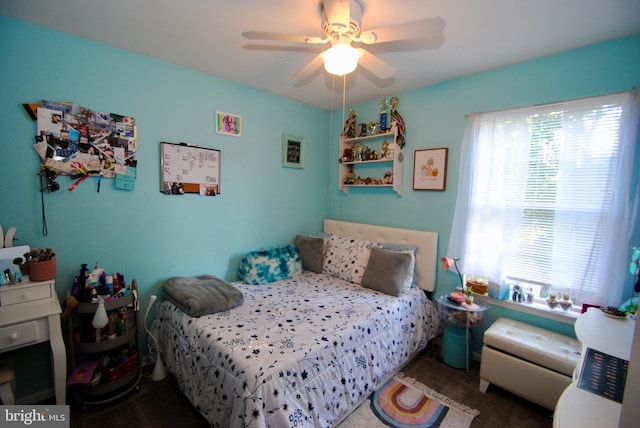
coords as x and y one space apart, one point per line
347 258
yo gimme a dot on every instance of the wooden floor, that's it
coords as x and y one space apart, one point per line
160 404
498 408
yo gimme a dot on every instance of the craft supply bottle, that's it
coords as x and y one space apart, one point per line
95 275
108 282
83 275
116 283
111 326
76 287
121 326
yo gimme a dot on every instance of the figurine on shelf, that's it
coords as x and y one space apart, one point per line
372 128
367 154
385 149
391 150
359 151
347 156
349 129
362 130
350 177
398 121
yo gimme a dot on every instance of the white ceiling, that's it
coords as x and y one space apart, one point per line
205 35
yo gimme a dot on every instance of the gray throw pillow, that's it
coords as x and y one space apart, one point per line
311 249
386 271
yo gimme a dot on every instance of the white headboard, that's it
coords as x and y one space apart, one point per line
427 242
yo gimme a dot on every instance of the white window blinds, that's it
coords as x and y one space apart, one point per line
540 188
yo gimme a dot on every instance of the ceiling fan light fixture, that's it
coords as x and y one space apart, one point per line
340 59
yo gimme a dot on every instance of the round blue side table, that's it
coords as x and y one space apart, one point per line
456 339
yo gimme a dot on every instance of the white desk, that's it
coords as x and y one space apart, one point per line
578 407
30 314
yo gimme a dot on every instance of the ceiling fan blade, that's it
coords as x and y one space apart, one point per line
408 30
338 12
375 65
407 45
265 35
310 67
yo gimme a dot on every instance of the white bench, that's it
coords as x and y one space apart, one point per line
528 361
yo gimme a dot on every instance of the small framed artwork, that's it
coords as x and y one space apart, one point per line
292 151
228 124
430 169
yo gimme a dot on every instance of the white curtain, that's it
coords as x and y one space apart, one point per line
594 197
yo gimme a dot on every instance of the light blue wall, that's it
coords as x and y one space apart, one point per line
145 234
151 237
435 117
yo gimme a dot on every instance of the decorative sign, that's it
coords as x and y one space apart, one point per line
125 181
430 169
228 124
292 151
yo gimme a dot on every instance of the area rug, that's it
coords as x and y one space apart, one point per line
404 402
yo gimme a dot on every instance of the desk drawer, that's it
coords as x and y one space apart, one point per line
22 294
19 334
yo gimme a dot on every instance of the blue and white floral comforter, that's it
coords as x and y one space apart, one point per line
299 352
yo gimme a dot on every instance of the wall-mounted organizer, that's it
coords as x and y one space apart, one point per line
372 154
113 351
81 142
189 169
359 167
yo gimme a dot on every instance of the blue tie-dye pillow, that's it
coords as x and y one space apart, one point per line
270 265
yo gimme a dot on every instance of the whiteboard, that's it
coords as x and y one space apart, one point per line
189 169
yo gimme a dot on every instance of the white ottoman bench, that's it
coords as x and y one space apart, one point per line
528 361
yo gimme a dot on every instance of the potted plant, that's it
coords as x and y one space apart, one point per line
469 295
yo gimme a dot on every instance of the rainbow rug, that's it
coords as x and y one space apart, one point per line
404 402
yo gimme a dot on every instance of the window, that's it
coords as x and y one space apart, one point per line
546 196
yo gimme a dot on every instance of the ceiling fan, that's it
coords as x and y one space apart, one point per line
341 26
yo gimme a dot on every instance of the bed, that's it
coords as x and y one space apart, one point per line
302 351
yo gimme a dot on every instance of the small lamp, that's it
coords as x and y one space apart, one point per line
451 262
159 372
341 58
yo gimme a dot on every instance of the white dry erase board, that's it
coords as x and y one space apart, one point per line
189 169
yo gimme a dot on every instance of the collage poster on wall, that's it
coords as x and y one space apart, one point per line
76 140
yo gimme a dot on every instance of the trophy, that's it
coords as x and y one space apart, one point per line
383 116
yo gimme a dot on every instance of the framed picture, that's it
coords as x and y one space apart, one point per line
430 169
228 124
292 151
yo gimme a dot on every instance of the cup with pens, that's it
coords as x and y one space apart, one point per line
42 264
